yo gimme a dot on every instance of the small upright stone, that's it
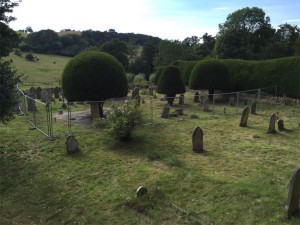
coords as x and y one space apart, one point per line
57 91
280 125
224 110
244 117
293 208
205 106
135 93
231 101
31 102
72 145
197 140
151 90
141 191
38 91
181 99
165 113
272 123
253 108
196 97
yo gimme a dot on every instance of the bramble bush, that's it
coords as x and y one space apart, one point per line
121 121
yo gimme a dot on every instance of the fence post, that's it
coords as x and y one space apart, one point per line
237 102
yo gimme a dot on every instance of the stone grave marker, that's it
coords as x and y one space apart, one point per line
151 90
280 125
292 207
205 106
179 111
38 92
231 101
165 112
181 99
57 91
244 117
224 110
135 93
197 140
31 102
45 95
196 97
253 107
32 90
272 123
72 145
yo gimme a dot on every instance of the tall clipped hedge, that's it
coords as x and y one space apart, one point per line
158 73
94 76
211 74
170 83
185 68
283 72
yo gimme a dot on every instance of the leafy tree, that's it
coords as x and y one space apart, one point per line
118 49
170 83
210 74
148 53
29 29
244 34
94 76
8 76
138 66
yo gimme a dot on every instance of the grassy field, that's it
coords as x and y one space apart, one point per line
242 178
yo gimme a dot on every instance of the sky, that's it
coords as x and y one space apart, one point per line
167 19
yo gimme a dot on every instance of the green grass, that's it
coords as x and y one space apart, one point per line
240 179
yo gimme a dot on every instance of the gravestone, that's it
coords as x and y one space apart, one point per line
272 123
135 93
292 207
72 145
196 97
231 101
224 110
31 102
57 91
141 191
205 106
165 112
244 117
197 140
181 99
32 90
253 108
179 111
45 95
280 125
38 92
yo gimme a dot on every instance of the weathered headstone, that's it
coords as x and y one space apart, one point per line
253 107
197 140
280 125
165 112
181 99
196 97
205 106
272 122
45 95
72 145
179 111
224 110
31 102
231 101
135 93
38 91
141 191
244 117
32 90
57 91
292 207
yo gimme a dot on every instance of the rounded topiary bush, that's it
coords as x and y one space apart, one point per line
210 74
170 83
94 76
158 73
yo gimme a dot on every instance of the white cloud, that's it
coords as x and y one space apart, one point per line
221 8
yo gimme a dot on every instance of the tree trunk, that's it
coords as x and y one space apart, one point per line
170 99
97 110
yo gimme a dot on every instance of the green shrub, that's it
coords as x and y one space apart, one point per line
121 121
185 68
130 77
152 78
170 83
139 79
158 73
29 57
211 74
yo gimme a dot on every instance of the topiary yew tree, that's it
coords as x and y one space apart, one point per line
170 83
158 73
94 76
210 74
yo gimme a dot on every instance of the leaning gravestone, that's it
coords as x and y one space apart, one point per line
165 113
293 203
244 117
272 122
280 125
253 108
181 99
205 106
31 102
45 95
38 92
196 97
135 93
197 140
72 145
231 101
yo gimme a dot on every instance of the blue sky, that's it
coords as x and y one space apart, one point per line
167 19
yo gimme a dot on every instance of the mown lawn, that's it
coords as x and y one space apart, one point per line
242 178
